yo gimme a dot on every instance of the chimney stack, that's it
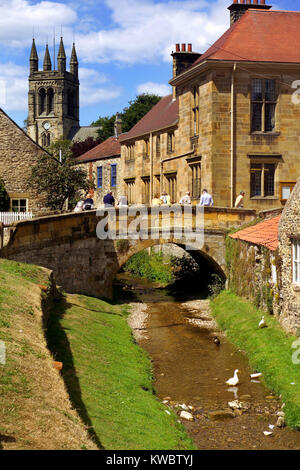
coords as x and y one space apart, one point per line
183 59
118 125
239 7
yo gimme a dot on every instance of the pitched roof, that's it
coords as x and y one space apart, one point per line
79 134
109 148
164 114
259 36
264 233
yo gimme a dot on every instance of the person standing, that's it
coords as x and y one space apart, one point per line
206 199
109 200
88 203
239 202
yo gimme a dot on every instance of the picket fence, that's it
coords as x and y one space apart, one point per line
8 217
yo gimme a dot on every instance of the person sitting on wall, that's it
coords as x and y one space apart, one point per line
88 203
122 202
79 206
186 199
206 199
109 200
239 202
156 201
165 198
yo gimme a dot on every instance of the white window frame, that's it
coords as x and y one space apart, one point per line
19 199
296 261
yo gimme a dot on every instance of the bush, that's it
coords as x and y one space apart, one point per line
154 267
4 198
217 285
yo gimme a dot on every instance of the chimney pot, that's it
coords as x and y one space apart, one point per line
190 47
262 2
248 1
255 2
177 47
183 47
235 1
242 1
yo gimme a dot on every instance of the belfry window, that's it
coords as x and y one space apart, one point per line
42 101
50 100
71 104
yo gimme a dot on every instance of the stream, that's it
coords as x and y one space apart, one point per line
190 369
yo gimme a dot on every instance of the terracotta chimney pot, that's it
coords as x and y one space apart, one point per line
183 48
190 47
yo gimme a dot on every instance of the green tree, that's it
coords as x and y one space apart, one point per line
4 198
130 115
57 175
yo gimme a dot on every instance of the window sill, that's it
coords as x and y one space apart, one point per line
265 133
259 198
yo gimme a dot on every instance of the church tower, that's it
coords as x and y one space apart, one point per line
53 99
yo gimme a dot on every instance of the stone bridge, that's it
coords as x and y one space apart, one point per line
83 263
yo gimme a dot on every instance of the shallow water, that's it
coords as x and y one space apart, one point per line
189 368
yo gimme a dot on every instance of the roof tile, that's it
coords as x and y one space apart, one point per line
264 233
109 148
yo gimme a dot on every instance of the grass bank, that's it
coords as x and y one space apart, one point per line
109 378
155 267
269 350
35 411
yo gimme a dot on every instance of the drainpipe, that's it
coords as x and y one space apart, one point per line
232 137
151 167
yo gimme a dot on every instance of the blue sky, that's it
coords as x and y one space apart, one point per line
123 46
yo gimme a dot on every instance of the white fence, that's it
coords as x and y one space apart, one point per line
8 217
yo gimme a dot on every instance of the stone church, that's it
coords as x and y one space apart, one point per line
53 99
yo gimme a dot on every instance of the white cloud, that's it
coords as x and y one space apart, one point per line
14 87
159 89
19 17
146 31
95 87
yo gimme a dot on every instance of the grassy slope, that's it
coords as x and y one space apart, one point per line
35 411
109 377
269 350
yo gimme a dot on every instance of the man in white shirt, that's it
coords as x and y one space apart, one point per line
239 202
206 199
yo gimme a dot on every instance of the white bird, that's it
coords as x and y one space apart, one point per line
233 381
262 323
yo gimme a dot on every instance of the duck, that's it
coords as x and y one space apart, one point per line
216 340
262 323
233 381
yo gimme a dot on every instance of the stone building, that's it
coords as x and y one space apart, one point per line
53 99
233 119
18 153
289 250
103 165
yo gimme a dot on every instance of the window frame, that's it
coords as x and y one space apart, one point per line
113 177
170 142
99 177
264 103
19 199
195 110
284 184
263 163
296 261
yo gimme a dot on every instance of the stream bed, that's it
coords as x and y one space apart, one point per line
190 369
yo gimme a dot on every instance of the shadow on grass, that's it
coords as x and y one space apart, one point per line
59 346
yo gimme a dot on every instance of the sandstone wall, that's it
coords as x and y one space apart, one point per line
18 154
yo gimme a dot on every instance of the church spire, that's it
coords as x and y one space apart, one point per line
34 59
61 58
47 60
74 62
